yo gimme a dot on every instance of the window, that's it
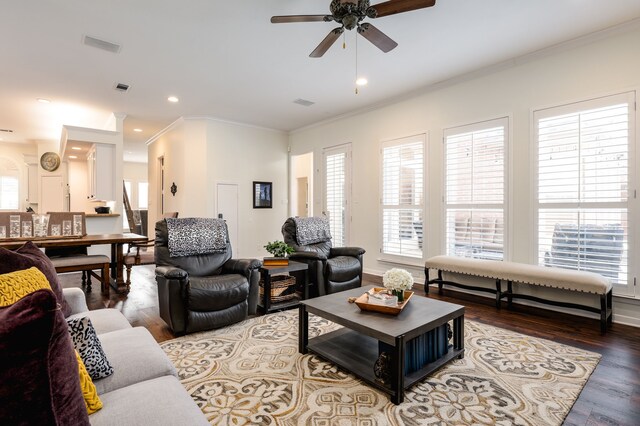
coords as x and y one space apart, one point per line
337 188
582 186
403 196
9 185
474 189
143 195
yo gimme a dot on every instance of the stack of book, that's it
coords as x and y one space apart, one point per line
382 299
275 261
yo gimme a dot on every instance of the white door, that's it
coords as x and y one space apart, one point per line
52 194
303 197
227 202
337 192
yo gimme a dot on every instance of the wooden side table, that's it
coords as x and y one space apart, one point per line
266 272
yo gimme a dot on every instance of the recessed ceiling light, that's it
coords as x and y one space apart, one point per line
43 100
361 81
172 99
73 156
137 130
76 148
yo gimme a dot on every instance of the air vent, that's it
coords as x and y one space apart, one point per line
303 102
6 130
101 44
121 87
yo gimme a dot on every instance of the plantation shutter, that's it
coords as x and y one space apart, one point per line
403 196
336 202
582 186
474 190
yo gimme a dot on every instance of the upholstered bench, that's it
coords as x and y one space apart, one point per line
512 272
88 264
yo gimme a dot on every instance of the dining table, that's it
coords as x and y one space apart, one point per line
117 242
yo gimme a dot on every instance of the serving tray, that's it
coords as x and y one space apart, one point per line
393 310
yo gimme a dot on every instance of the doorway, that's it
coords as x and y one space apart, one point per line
303 197
301 181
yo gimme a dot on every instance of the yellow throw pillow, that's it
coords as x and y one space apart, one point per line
15 285
91 399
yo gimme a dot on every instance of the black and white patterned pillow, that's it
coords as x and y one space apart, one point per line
196 235
88 345
310 230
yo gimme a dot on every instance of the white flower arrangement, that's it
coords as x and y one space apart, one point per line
397 279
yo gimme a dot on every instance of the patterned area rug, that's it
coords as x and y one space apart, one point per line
251 373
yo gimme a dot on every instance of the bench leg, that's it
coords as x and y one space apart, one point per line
603 313
498 293
88 274
426 280
509 294
440 282
84 278
610 307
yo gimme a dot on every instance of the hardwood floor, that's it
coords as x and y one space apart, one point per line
611 396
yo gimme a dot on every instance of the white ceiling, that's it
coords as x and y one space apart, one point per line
224 59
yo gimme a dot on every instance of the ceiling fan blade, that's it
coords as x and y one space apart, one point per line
297 18
326 43
377 37
399 6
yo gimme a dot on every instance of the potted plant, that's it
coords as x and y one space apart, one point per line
397 281
280 250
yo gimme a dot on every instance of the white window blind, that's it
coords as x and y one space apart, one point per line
582 186
336 176
403 196
474 189
9 185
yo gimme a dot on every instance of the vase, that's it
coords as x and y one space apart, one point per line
399 294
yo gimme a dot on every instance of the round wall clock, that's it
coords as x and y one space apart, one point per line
50 161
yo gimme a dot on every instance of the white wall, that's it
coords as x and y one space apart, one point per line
201 152
568 74
79 186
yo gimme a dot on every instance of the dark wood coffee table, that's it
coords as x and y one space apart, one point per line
356 347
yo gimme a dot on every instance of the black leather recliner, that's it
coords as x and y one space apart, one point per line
205 291
331 269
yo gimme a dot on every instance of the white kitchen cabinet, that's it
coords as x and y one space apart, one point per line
101 165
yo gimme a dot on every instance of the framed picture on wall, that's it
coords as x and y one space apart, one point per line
262 195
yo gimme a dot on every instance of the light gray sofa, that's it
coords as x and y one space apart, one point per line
144 388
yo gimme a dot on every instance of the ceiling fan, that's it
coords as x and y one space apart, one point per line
350 13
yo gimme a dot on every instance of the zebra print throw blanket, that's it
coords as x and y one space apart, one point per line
310 230
195 235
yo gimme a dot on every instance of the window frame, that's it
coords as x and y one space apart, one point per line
423 139
632 210
505 122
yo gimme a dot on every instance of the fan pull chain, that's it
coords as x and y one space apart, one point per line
356 80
